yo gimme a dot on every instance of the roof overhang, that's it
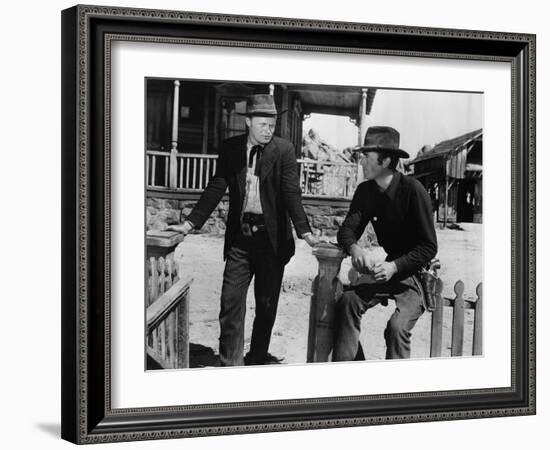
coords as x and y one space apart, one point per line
334 100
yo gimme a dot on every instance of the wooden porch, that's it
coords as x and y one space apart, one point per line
187 120
183 173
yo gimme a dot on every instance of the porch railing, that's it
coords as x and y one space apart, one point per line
167 300
191 172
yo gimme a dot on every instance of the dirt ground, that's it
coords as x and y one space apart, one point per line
460 252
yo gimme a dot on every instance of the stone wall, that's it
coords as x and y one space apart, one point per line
323 219
163 212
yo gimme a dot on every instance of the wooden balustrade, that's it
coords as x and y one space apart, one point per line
157 168
167 300
193 171
173 170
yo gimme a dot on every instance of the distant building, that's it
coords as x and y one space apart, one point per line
452 173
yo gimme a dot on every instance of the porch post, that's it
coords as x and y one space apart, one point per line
206 114
446 201
363 116
362 125
174 151
286 117
326 290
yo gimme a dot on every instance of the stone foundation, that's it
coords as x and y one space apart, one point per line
324 220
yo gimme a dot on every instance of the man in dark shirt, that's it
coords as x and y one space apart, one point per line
400 211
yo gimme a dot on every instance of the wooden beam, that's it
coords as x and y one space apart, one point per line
195 194
478 323
285 117
179 194
155 356
446 201
205 121
468 304
437 322
159 310
363 116
335 111
457 341
174 151
182 332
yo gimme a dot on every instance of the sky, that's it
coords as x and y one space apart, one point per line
421 117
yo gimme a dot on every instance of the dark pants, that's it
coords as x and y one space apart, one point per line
355 302
248 257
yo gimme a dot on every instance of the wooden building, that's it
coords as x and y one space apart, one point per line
187 120
452 173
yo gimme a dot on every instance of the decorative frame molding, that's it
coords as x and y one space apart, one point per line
87 34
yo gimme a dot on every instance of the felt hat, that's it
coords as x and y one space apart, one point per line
260 105
383 139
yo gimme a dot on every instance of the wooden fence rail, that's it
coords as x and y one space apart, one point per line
459 306
167 302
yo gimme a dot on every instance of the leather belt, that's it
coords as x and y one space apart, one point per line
253 219
252 223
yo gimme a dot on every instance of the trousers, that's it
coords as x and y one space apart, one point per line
248 257
355 301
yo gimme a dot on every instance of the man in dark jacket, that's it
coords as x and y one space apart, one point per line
261 173
400 211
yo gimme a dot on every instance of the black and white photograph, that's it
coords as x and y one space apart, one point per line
275 223
247 225
305 223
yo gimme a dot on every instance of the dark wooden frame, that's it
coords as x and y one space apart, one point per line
87 416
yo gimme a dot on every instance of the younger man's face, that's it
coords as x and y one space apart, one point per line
372 168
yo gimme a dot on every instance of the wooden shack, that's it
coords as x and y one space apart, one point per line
452 173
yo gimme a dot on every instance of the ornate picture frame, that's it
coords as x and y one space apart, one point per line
88 34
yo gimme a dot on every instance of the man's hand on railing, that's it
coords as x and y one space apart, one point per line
184 228
311 239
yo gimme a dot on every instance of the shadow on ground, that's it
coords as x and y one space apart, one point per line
53 429
202 356
199 356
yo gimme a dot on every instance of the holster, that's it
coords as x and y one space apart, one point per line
428 279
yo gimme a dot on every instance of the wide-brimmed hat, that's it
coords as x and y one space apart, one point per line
383 139
261 105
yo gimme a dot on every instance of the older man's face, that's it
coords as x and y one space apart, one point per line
260 129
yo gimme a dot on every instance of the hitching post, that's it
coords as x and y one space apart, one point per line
326 290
